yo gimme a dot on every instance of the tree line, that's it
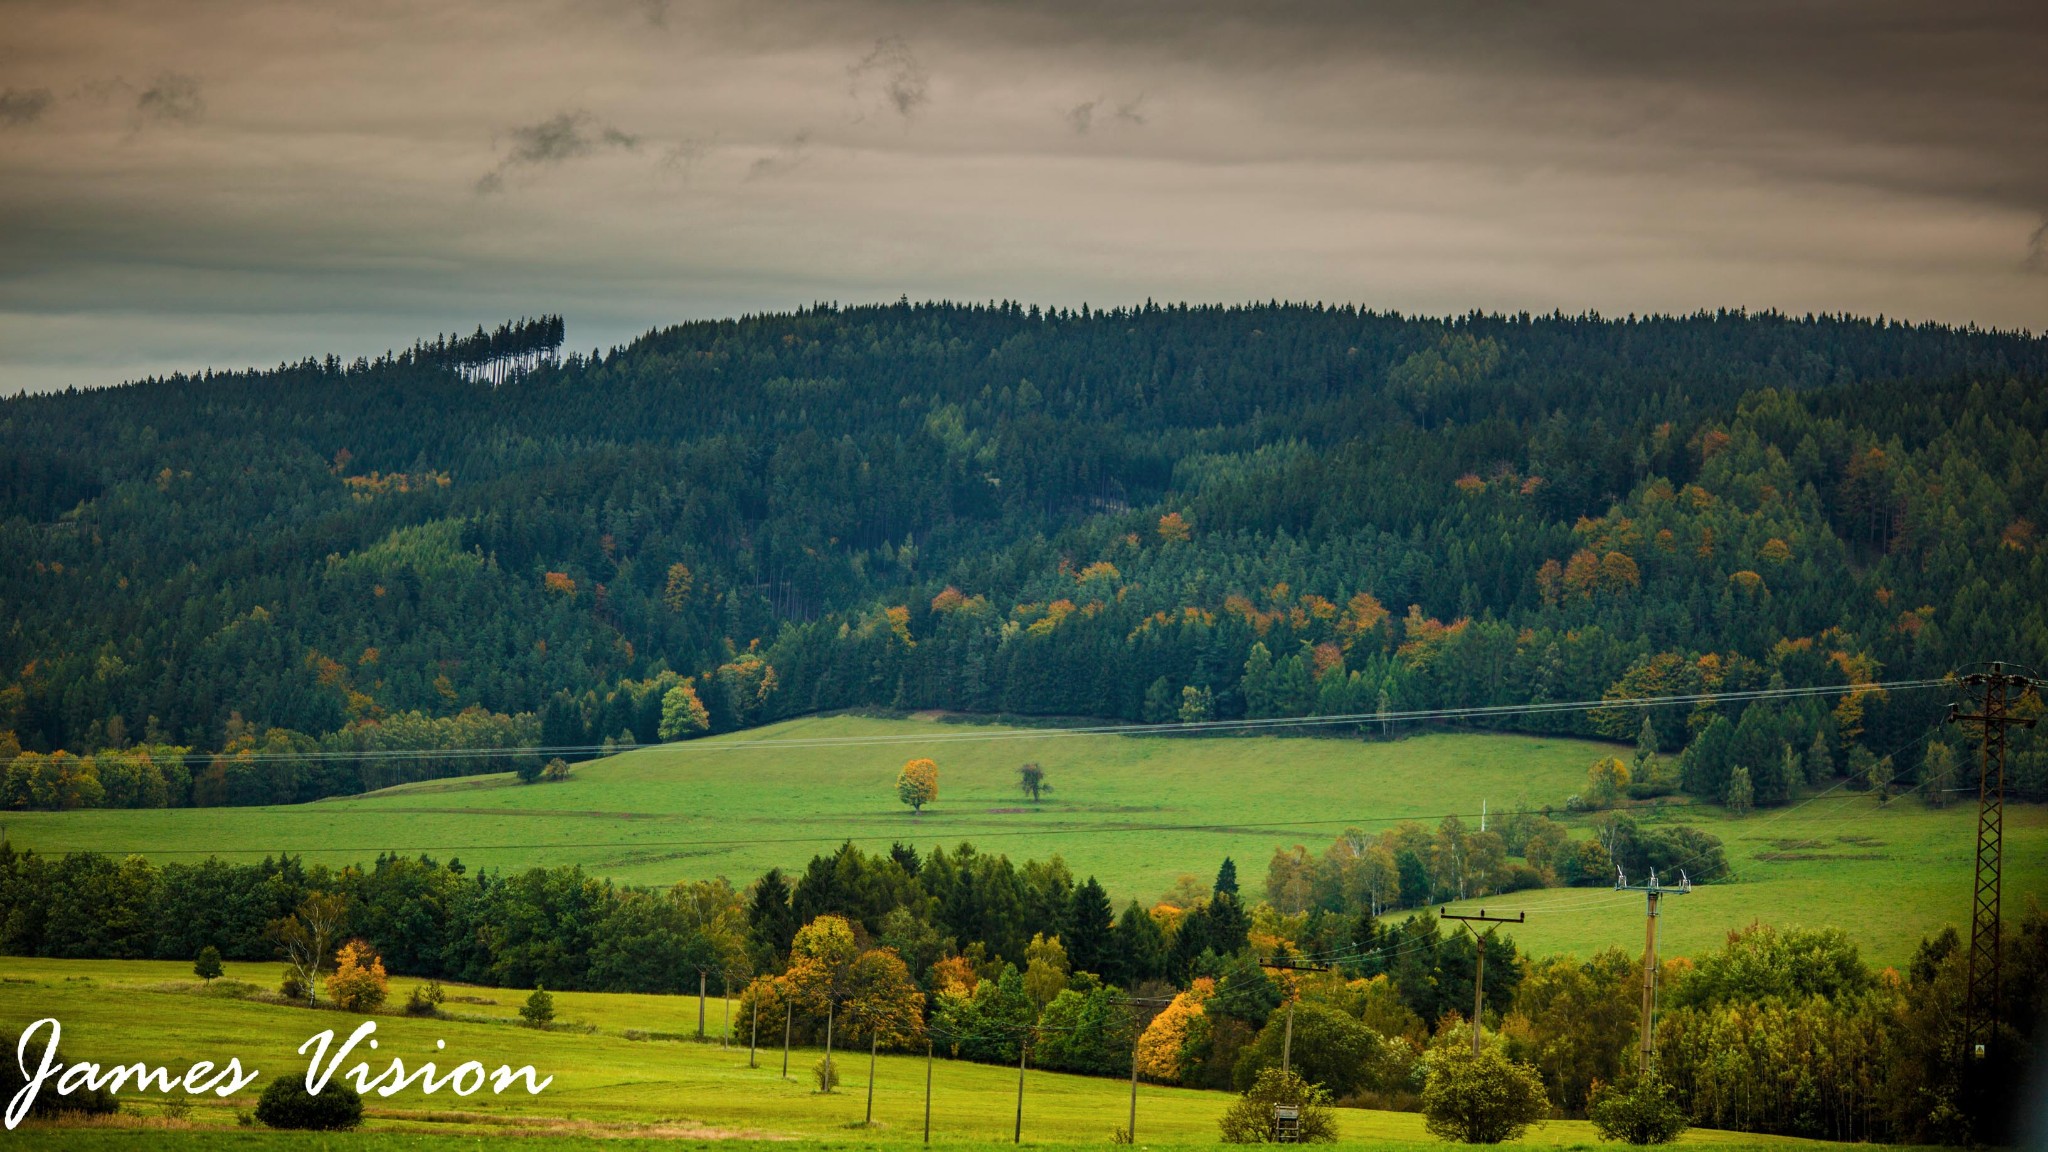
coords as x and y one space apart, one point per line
1141 513
1782 1030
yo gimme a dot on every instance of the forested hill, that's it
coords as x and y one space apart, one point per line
1144 514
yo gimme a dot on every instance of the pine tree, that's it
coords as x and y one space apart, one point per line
1090 926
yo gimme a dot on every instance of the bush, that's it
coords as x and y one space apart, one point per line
1250 1119
358 983
285 1103
1638 1110
1481 1099
294 986
425 999
826 1073
207 966
539 1009
49 1102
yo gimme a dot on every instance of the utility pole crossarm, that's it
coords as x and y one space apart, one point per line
1651 892
1479 950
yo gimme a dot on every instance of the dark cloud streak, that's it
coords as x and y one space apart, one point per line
905 84
562 137
20 106
173 98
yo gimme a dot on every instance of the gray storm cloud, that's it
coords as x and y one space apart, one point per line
361 185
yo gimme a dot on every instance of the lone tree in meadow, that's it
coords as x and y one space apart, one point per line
207 967
539 1009
918 784
1031 778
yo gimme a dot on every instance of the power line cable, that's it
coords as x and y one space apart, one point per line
737 743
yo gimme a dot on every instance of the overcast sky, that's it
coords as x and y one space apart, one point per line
230 182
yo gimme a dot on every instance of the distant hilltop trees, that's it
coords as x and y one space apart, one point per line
497 355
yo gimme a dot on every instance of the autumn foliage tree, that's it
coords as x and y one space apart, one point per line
358 983
682 713
918 784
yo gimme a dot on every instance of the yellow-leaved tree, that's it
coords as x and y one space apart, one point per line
1159 1049
820 974
918 784
1606 782
358 983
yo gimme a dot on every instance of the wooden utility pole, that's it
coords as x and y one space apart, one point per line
830 1008
1287 1036
874 1041
1287 1039
1651 892
1479 949
787 1009
1023 1046
1132 1131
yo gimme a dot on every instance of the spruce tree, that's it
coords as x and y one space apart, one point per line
1226 877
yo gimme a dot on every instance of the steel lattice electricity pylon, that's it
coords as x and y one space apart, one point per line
1994 716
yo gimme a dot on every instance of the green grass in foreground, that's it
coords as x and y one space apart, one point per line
737 805
607 1086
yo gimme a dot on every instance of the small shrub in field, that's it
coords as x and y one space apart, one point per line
294 986
425 999
826 1073
1638 1110
207 966
358 983
539 1009
1250 1120
49 1102
285 1103
1483 1099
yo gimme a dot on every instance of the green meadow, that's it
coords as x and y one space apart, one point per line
609 1086
1135 811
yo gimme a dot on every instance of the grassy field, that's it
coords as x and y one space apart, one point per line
1886 874
607 1086
737 805
1135 811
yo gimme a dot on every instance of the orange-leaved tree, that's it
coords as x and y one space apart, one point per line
918 784
358 983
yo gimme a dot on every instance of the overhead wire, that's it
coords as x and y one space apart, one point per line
729 743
